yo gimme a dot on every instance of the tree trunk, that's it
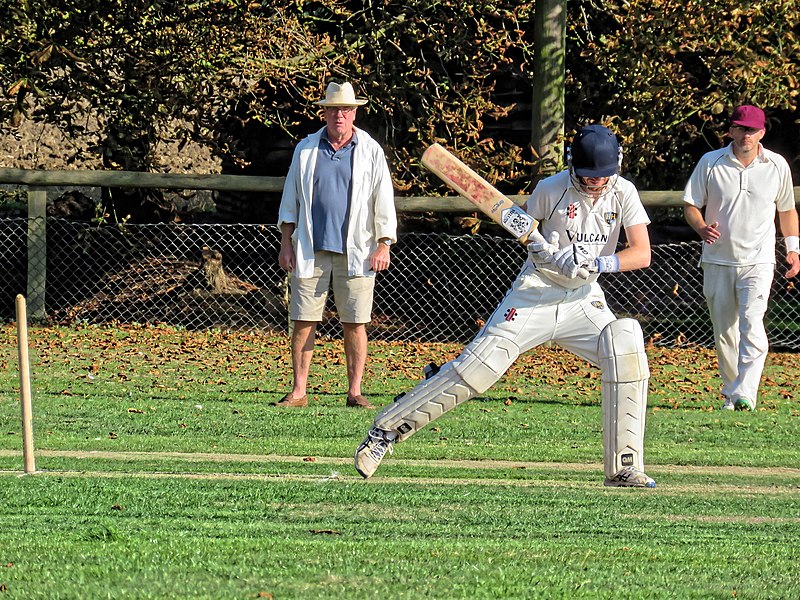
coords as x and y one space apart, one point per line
547 127
216 279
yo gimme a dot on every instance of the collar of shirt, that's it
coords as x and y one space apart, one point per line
760 157
353 140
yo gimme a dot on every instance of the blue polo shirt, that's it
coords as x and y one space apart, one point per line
333 185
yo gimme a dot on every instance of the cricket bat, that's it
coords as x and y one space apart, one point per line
481 193
484 196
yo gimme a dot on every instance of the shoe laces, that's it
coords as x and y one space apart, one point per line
379 445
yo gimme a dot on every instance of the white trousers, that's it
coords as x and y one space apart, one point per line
535 311
737 300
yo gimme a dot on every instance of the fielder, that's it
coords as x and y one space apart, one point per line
582 210
731 201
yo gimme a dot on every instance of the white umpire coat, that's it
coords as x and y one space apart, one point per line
372 210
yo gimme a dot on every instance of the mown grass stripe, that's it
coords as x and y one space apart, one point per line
423 463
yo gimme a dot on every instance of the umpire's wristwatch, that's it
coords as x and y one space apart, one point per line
386 242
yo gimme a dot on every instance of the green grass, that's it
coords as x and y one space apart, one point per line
163 472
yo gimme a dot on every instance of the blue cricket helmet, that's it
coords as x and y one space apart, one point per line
595 152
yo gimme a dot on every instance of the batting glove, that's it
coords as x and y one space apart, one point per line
571 258
542 251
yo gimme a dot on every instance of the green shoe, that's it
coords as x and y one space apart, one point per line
745 404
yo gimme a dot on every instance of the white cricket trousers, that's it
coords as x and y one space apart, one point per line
737 300
535 311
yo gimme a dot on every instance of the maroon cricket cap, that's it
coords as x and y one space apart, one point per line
749 116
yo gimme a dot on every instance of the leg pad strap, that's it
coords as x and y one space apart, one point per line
473 372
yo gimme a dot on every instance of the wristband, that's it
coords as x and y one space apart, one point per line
792 243
607 264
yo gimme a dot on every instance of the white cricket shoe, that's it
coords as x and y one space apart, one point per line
630 477
745 404
372 450
728 404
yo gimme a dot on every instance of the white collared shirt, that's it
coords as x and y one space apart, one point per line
743 200
578 219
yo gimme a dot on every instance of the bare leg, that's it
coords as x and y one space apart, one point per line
302 351
355 351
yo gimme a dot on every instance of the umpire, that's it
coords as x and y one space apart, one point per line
337 220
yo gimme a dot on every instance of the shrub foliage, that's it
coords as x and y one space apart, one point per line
242 77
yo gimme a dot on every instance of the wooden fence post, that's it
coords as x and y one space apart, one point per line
37 252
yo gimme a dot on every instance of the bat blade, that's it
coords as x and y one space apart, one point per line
499 208
462 179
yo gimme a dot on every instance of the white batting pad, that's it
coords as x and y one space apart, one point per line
474 371
625 376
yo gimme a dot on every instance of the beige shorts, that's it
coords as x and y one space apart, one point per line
352 295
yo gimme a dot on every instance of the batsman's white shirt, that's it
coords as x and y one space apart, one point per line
544 306
743 200
561 208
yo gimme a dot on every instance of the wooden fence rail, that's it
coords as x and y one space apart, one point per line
38 181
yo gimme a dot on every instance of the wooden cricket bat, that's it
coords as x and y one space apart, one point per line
484 196
481 193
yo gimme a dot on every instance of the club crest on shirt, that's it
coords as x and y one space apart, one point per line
572 210
610 217
511 314
598 305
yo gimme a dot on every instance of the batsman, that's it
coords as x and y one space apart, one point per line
582 211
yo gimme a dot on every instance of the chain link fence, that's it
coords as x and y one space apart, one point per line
440 287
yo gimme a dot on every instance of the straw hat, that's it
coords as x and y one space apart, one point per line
340 95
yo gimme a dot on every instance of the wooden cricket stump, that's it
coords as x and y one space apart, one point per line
25 385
